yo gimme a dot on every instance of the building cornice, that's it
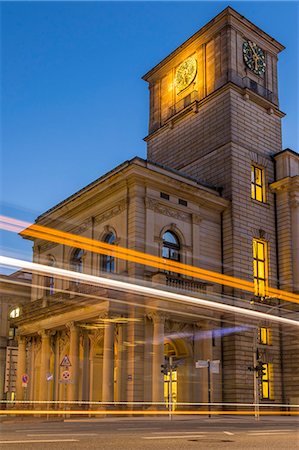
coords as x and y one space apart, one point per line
288 184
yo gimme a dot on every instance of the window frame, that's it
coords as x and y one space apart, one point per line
260 265
171 247
267 382
265 336
258 186
108 260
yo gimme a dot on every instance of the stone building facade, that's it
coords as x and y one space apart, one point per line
217 192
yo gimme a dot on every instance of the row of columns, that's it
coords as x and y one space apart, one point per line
108 362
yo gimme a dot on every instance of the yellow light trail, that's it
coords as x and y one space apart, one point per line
110 283
72 240
140 412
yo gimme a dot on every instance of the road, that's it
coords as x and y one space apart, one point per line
240 433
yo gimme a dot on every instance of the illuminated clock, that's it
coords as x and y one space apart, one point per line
185 73
254 57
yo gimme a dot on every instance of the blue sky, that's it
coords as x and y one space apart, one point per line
73 102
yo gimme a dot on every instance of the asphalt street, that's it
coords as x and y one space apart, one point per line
151 433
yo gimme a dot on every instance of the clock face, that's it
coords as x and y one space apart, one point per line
185 73
254 57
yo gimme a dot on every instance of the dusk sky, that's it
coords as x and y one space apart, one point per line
73 102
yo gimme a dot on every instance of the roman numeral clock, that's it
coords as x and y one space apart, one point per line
254 57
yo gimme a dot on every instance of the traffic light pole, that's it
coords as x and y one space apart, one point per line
170 388
209 385
256 387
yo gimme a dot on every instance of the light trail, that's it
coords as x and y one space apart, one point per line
141 412
72 240
147 291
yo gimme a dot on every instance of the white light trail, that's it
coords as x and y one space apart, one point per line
131 287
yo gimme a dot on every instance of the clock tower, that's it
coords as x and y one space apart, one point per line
214 116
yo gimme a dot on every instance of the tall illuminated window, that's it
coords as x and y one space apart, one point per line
267 389
258 184
260 267
265 336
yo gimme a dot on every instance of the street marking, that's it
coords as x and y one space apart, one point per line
229 433
268 433
186 436
38 441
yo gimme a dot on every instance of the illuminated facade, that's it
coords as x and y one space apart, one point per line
216 192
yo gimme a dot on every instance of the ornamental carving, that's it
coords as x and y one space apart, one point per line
196 219
117 209
79 229
154 205
157 317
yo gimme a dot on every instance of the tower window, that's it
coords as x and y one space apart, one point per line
260 267
258 184
267 390
265 336
108 261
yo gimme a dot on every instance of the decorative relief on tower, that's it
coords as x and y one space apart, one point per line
185 73
154 205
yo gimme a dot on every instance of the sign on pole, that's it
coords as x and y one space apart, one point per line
201 364
65 361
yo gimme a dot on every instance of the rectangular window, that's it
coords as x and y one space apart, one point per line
260 267
258 184
267 382
183 202
265 336
163 195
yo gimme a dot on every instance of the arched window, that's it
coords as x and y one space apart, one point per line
49 281
108 261
171 246
77 260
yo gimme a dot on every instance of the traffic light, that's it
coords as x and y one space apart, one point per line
264 370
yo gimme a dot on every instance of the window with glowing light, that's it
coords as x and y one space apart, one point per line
267 389
265 336
258 184
260 267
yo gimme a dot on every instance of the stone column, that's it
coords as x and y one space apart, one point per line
108 363
56 368
158 357
21 368
294 203
44 364
86 368
72 387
